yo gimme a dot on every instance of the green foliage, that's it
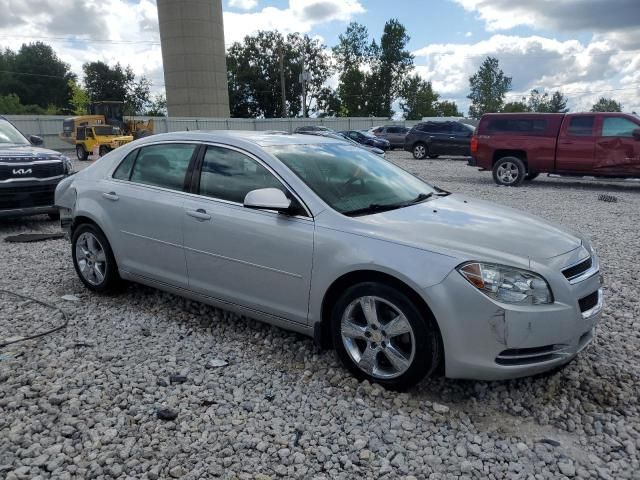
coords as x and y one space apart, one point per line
445 108
37 76
157 107
10 105
539 102
117 83
489 85
253 70
372 75
515 107
606 105
79 98
419 99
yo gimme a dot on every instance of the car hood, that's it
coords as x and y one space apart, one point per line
465 227
22 152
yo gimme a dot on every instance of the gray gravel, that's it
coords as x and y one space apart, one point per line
259 402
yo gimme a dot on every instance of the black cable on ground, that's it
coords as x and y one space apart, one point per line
37 335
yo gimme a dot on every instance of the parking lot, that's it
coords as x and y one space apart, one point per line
255 401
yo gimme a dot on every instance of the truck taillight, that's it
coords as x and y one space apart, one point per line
474 144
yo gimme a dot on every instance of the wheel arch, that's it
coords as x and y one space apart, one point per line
521 154
322 329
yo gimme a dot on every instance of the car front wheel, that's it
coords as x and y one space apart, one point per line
420 151
381 336
93 259
81 153
509 171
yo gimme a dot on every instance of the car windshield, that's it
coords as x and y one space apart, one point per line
9 134
352 180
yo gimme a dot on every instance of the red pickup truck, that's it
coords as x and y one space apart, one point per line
519 146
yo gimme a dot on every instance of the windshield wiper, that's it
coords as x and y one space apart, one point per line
378 207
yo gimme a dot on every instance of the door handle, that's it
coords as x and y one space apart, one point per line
110 196
200 214
452 137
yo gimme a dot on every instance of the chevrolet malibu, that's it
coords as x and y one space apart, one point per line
402 278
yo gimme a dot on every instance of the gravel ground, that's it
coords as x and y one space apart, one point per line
84 402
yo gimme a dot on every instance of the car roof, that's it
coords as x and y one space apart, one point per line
260 138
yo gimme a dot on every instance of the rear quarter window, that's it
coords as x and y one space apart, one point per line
517 126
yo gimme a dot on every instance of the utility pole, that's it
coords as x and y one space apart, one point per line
282 85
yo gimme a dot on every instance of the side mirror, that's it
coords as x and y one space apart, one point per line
267 199
35 140
636 133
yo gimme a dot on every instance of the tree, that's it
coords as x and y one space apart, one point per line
254 76
138 96
157 107
419 99
447 108
489 85
606 105
104 83
11 105
558 103
352 53
37 76
79 98
391 65
516 107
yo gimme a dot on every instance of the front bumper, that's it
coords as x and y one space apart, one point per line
488 340
27 198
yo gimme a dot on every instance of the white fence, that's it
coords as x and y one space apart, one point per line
48 127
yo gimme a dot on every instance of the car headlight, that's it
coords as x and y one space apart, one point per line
68 164
507 284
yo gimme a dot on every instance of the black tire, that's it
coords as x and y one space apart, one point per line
54 215
111 279
530 176
434 156
81 153
427 351
103 150
420 151
509 171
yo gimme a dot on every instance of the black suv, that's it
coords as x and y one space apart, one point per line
29 174
432 139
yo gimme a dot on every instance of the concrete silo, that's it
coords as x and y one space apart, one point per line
193 54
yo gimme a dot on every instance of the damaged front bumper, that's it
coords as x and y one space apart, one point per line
488 340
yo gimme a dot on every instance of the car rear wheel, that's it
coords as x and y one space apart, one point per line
509 171
380 335
93 259
420 151
81 153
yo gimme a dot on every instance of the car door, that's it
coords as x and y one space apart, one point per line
461 140
143 204
436 133
576 145
617 151
254 258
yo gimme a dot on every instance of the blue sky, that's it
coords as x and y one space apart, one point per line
585 48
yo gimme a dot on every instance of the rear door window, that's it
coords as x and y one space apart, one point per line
581 126
618 127
163 165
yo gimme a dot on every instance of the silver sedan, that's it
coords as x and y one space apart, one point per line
311 234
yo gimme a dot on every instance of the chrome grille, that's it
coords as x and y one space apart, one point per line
528 356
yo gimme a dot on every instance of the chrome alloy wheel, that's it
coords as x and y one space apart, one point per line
91 258
419 151
508 172
378 337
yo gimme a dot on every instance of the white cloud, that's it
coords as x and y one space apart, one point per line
243 4
582 72
468 34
